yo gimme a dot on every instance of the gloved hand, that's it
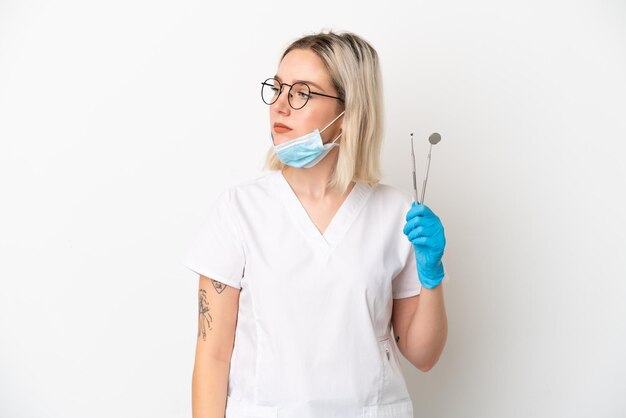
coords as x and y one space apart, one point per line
425 231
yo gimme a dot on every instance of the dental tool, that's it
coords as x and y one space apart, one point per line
433 139
414 179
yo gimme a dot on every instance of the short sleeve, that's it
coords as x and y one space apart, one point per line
217 251
407 283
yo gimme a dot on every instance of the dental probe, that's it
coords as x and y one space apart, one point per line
414 179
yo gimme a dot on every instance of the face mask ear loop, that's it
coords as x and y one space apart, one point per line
340 133
332 121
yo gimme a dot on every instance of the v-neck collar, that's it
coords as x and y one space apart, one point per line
325 243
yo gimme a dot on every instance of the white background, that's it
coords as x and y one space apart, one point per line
121 121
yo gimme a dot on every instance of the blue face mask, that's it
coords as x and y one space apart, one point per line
306 150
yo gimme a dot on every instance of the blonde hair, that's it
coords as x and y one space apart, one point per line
354 70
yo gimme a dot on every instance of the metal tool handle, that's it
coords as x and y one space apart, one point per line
426 177
414 178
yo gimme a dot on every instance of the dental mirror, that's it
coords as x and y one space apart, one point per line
433 139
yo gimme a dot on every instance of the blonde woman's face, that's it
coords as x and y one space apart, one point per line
304 65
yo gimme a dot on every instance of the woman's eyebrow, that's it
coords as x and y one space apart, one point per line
301 81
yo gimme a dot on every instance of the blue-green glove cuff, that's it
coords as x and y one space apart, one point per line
431 276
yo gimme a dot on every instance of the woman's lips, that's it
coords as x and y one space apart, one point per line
281 129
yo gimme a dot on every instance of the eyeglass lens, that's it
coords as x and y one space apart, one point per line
298 93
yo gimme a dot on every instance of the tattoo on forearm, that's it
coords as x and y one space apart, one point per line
204 317
397 338
219 287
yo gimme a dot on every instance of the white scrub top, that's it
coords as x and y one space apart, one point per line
313 330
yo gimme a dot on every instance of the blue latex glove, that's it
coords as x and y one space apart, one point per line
425 231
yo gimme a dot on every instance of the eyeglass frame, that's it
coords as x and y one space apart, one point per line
264 83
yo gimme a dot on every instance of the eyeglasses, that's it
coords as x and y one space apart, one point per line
298 95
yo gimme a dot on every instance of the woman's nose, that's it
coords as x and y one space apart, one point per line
281 105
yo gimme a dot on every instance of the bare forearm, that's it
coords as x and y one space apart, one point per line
428 329
209 388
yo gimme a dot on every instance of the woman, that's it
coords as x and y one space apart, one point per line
305 269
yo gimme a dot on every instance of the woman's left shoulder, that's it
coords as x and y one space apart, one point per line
391 194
